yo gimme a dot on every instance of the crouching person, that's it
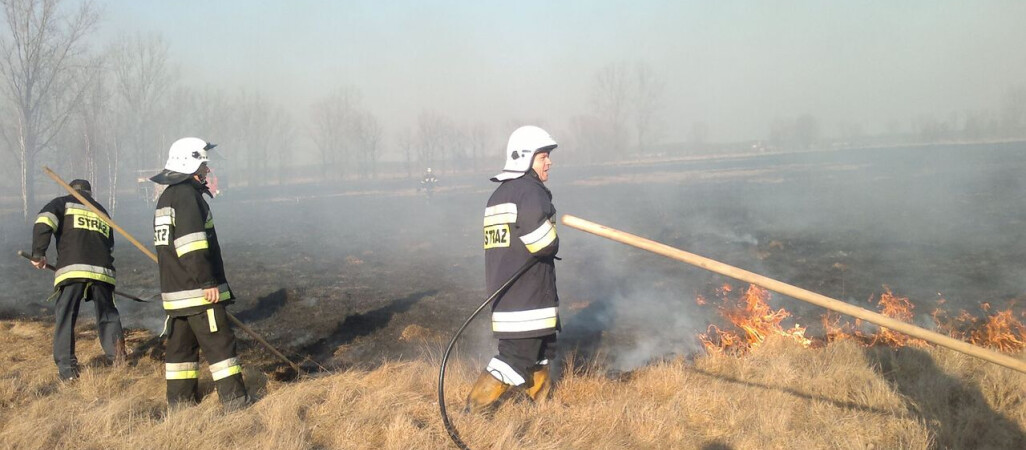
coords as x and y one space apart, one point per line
193 286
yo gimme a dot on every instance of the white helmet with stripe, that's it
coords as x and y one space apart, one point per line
183 159
523 144
186 154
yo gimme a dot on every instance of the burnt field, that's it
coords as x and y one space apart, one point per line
353 274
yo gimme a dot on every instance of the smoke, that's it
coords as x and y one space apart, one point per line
330 214
929 223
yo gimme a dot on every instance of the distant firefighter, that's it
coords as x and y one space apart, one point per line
85 271
193 286
518 226
428 182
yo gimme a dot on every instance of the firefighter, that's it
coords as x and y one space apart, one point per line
85 271
193 286
428 182
519 225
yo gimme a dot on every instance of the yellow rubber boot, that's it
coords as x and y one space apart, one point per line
539 391
485 393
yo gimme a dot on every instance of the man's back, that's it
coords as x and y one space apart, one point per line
84 240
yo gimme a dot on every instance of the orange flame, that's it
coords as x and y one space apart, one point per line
753 321
999 331
899 308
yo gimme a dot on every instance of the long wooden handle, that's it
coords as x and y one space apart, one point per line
153 256
795 292
96 210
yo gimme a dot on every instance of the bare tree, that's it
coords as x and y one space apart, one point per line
801 133
252 135
366 134
41 60
478 139
699 133
1013 112
588 137
331 122
433 137
203 113
457 146
94 136
406 142
143 77
648 102
611 96
282 140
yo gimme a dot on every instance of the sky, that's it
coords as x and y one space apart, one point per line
732 65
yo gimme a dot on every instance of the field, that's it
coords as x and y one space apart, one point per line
363 283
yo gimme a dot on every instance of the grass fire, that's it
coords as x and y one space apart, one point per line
654 353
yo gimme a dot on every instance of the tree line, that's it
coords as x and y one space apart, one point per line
109 112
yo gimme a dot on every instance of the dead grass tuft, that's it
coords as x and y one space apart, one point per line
779 396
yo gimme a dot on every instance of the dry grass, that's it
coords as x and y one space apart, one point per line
779 396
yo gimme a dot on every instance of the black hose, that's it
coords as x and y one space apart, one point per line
455 436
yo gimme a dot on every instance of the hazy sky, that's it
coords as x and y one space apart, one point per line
730 64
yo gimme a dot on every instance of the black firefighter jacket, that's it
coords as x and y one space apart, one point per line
519 226
187 250
84 241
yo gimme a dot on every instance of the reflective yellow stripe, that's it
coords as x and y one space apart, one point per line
181 375
211 321
194 365
531 325
164 216
539 238
191 247
225 373
221 365
82 212
501 213
83 274
531 320
181 371
47 220
194 301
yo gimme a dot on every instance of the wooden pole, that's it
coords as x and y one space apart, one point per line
54 269
153 256
795 292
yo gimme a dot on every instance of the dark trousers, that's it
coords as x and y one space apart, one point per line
108 323
211 332
525 355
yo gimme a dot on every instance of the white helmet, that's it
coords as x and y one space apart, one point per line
184 158
524 142
186 155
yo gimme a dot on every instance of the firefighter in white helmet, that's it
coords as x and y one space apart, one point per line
519 225
193 286
428 182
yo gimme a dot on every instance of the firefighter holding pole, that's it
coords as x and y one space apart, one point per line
84 271
518 227
193 286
